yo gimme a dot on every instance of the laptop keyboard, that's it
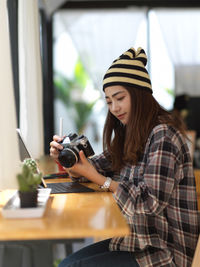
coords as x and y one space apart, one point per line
69 187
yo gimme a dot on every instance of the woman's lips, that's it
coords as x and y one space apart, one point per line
121 116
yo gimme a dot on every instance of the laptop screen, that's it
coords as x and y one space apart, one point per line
22 147
24 153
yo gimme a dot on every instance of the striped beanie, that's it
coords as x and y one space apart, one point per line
129 69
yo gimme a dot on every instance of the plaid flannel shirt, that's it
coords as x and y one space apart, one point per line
158 199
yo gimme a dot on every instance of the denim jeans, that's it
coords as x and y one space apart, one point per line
98 255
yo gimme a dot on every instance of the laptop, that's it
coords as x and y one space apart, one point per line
56 188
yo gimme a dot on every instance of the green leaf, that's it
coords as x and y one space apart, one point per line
83 111
68 90
169 91
63 88
81 75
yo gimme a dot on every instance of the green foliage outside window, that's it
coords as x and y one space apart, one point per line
70 92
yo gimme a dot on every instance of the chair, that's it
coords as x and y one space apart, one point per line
197 179
26 254
196 259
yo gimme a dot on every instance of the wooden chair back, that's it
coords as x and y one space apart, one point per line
196 259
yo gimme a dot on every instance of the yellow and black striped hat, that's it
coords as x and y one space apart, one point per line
129 69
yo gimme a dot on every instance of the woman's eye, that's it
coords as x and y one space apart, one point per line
108 103
121 98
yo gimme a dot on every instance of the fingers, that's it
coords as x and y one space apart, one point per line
82 156
55 146
54 153
55 143
57 138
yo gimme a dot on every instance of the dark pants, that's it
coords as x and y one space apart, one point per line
98 255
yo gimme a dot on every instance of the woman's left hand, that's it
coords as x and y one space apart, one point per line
86 169
83 168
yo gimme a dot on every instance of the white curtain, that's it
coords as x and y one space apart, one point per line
30 77
100 36
181 28
9 156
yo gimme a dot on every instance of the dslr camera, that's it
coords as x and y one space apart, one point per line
72 145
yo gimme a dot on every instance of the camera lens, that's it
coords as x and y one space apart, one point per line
68 157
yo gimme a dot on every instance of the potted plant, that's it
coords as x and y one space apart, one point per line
28 181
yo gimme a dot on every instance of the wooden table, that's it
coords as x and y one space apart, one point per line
72 215
197 178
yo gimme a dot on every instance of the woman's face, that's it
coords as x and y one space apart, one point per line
119 102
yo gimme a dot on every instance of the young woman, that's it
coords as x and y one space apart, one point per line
147 165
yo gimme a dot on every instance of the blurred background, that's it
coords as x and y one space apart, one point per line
78 40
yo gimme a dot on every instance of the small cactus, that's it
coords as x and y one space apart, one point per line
29 178
31 164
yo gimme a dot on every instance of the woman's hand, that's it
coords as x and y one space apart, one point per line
86 169
83 168
55 146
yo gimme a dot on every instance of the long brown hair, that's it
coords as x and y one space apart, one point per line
127 143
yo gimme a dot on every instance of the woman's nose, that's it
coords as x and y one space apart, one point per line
115 107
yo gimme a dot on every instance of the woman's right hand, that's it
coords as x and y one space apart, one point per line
55 147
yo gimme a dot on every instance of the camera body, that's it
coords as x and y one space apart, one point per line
72 145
